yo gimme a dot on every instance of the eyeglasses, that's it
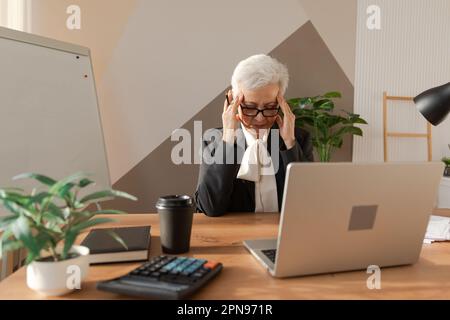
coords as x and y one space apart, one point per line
251 111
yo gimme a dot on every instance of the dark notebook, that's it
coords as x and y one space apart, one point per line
105 249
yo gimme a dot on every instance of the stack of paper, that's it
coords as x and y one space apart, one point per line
438 229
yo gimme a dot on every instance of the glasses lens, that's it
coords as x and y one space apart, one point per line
270 112
251 112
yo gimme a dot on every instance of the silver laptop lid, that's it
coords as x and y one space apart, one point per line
347 216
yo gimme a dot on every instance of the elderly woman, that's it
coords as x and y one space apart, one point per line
253 181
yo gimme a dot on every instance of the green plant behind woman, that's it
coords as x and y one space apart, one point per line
328 129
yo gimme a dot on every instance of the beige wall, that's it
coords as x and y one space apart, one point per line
160 64
165 70
336 23
102 24
316 71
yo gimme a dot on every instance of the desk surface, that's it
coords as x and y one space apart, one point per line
243 277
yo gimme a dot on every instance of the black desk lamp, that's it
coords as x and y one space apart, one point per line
434 104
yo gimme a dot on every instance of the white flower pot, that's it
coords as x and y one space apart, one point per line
51 278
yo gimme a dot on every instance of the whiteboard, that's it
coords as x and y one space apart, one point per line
49 116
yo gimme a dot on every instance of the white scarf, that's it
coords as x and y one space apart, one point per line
257 166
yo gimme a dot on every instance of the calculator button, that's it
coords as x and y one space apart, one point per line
169 266
182 266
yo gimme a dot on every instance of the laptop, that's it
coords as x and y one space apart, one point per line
348 216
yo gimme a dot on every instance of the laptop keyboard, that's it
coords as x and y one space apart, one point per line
271 254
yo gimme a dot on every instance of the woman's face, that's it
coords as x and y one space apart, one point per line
261 99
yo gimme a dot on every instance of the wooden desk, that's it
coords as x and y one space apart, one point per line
244 278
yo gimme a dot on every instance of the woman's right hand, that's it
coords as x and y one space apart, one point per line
230 117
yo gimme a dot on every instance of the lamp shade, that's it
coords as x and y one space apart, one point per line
434 104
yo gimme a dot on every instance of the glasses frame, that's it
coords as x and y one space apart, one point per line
244 107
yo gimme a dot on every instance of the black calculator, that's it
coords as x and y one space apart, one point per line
164 277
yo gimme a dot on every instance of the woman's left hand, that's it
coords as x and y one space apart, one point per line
287 123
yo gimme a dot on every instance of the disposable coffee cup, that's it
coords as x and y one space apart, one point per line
175 222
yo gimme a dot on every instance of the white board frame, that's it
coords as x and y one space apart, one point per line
77 50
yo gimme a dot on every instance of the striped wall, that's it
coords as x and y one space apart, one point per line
407 56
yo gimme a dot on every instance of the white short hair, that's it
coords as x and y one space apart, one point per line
258 71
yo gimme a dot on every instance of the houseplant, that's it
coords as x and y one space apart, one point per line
47 222
328 129
446 160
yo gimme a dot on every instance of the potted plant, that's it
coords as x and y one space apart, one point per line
315 114
47 223
446 160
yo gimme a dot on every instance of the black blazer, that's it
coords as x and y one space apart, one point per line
218 189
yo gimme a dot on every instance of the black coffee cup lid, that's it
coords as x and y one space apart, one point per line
174 201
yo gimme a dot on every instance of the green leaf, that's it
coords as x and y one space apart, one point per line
61 184
22 231
307 120
39 177
7 245
12 196
84 183
332 94
52 220
39 198
106 195
4 237
337 141
334 120
11 245
30 257
72 234
307 101
354 118
90 223
116 237
5 221
6 234
294 102
64 191
55 211
360 121
349 129
69 240
17 209
45 239
324 104
299 102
